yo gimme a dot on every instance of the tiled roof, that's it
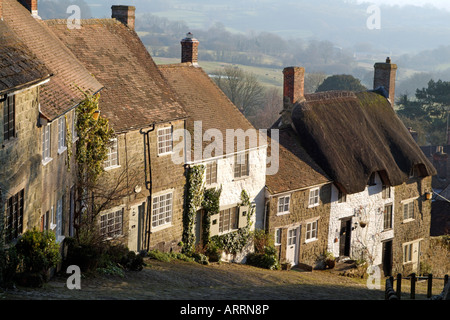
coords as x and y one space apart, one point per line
61 93
135 93
296 169
204 101
18 66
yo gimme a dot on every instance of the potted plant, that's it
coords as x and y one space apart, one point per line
330 260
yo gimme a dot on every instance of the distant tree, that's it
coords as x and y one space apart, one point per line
270 110
241 87
341 82
313 81
412 109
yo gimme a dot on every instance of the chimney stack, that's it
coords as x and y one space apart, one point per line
189 49
293 91
125 14
31 5
384 76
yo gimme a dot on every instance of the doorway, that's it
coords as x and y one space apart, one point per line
293 237
345 237
387 258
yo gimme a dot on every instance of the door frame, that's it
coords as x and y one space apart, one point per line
296 244
346 236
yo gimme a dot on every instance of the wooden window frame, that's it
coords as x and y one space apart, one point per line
9 118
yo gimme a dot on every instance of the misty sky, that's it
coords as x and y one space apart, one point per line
442 4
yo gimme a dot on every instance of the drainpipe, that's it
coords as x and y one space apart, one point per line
148 181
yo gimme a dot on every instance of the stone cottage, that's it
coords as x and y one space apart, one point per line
222 140
37 122
298 196
379 208
144 113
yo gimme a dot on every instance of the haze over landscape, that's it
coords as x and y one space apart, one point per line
414 33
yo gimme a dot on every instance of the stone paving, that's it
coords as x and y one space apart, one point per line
179 280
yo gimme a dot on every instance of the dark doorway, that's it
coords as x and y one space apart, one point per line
344 239
140 235
387 258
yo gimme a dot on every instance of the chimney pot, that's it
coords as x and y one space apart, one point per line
384 76
189 49
124 14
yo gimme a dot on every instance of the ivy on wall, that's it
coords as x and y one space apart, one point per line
234 242
194 197
211 206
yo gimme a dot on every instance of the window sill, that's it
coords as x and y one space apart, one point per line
240 178
46 161
161 227
112 167
311 240
408 220
164 154
60 151
282 213
313 205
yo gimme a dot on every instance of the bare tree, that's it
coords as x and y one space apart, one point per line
270 109
242 88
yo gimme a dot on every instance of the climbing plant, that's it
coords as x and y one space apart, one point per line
194 197
234 242
211 206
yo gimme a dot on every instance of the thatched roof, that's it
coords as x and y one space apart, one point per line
352 135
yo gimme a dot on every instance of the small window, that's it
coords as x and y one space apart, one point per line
111 223
387 218
62 134
283 204
9 118
211 172
278 236
408 210
74 126
162 210
314 197
386 192
311 231
228 219
371 181
241 165
14 216
407 252
165 140
113 155
46 143
342 197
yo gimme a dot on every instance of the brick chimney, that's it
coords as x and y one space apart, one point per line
384 76
189 49
31 5
125 14
293 91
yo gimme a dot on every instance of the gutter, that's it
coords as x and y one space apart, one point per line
148 181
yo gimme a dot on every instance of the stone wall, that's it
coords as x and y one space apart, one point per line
20 157
415 229
299 215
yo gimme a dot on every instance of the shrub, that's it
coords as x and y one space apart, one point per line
87 255
38 252
267 260
213 252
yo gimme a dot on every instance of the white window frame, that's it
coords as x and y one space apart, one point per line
62 135
386 192
162 144
391 216
74 126
52 218
231 223
46 144
112 218
311 234
241 168
409 203
284 204
114 146
314 195
278 234
208 171
163 218
342 197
